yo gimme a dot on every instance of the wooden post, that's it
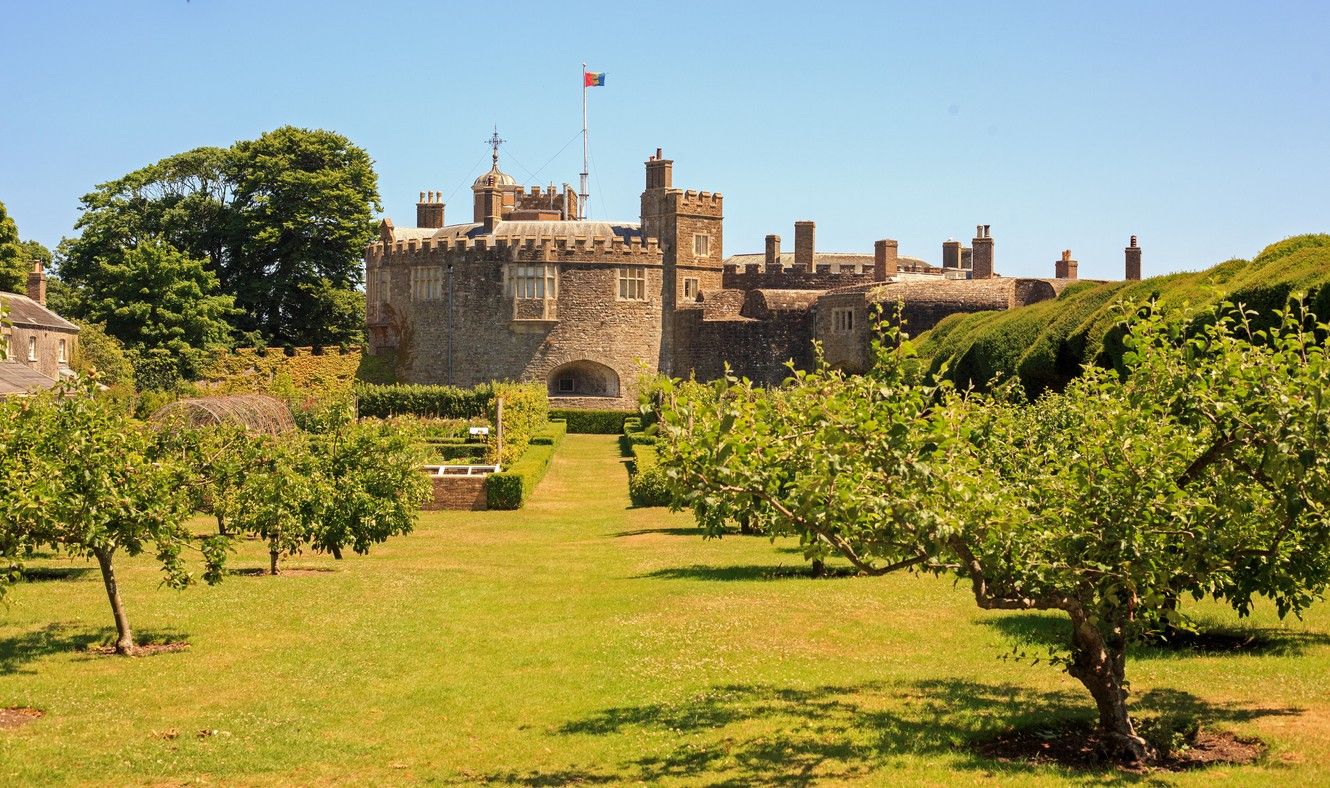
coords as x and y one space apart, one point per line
498 431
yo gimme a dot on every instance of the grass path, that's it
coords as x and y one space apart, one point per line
580 640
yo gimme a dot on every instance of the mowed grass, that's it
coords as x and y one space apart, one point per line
580 640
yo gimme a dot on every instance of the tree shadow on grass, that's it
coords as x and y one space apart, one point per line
17 651
661 531
835 733
1052 631
39 574
747 572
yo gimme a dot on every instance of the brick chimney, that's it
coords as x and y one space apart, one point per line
489 205
951 254
1133 253
429 211
885 259
772 259
1066 267
660 172
37 283
803 246
981 255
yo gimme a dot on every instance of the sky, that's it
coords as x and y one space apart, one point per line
1201 127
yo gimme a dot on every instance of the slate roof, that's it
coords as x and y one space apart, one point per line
512 230
845 260
16 378
25 312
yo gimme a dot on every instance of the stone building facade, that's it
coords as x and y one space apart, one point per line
529 291
40 345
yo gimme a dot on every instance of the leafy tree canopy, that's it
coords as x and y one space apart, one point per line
13 266
1204 471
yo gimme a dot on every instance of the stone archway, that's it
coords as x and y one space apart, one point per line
583 378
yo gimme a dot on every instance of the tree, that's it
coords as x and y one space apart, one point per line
337 484
13 267
303 200
1203 473
79 476
157 300
102 353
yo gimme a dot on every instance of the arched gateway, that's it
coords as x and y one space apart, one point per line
583 378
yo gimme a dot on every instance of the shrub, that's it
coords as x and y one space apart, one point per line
553 435
526 411
593 422
648 484
511 488
406 399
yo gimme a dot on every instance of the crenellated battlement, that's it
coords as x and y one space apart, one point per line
755 276
529 249
696 202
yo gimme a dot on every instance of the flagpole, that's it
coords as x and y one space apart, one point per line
586 152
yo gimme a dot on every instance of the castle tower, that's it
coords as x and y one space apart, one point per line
429 211
885 262
772 258
981 255
804 246
1065 268
1133 255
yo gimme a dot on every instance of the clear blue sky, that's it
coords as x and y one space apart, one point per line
1204 128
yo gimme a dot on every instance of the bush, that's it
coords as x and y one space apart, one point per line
634 435
553 435
526 411
647 483
593 422
406 399
511 488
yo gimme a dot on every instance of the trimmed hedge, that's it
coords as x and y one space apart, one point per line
647 483
408 399
511 488
593 422
1046 345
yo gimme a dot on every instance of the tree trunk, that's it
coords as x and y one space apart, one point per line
337 552
272 562
221 525
1100 664
124 643
819 567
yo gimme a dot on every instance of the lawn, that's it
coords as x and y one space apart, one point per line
580 640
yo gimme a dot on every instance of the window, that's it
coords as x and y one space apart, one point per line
63 359
32 348
701 244
633 283
690 288
533 281
426 283
567 384
842 320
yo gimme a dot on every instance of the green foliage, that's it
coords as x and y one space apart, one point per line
1204 471
13 267
593 422
505 490
407 399
79 476
99 351
526 411
1047 344
648 483
554 433
281 221
272 371
511 488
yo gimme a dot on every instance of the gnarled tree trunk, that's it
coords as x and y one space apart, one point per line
273 555
1099 663
124 643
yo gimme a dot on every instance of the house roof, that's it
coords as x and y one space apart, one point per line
523 229
841 260
25 312
16 378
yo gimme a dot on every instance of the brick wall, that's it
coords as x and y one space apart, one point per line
48 348
457 492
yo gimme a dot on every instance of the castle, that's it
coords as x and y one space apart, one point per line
528 291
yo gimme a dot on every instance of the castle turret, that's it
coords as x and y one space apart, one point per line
1133 255
37 283
429 210
804 246
1065 268
981 255
885 262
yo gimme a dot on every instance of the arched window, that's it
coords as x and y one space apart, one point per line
583 379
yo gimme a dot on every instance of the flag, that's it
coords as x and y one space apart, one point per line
593 79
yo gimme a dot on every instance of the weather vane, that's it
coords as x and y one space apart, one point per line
495 141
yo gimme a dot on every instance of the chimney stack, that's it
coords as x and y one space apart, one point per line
429 211
660 172
951 254
885 262
37 283
981 254
1066 267
1133 253
803 246
773 252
